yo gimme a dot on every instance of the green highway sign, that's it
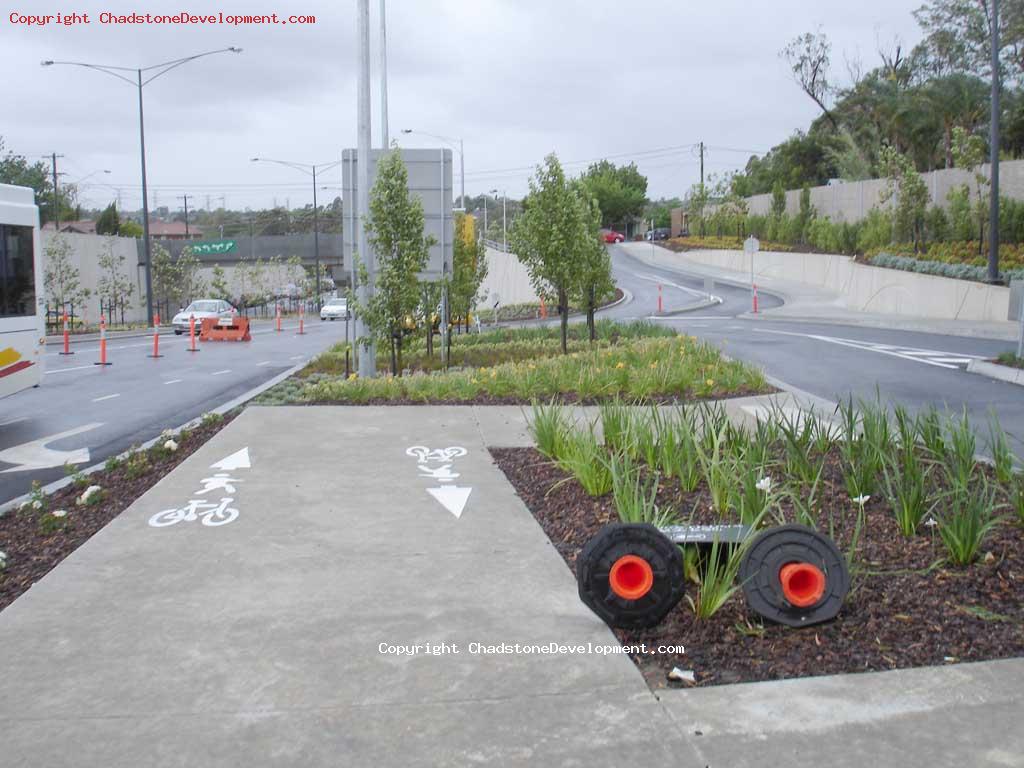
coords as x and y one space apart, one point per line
213 247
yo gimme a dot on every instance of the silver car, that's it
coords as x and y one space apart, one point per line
334 309
203 308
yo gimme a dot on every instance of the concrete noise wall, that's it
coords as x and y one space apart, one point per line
508 279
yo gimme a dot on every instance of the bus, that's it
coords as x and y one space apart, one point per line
22 303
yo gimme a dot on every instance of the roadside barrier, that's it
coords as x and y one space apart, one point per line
278 318
67 336
302 321
543 308
192 334
755 298
659 299
103 342
631 575
235 328
156 337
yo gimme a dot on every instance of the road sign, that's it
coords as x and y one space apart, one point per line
213 247
430 179
751 245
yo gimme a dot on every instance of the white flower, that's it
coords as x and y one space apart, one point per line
37 504
59 513
170 445
3 560
862 500
23 506
88 493
764 484
931 522
167 434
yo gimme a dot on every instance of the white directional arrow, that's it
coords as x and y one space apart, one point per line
452 497
35 455
237 460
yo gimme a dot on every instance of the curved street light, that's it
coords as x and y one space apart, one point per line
143 76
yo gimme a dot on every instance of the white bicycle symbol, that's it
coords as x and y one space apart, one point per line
422 454
210 513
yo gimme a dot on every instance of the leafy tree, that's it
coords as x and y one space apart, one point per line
660 211
778 200
969 154
594 275
191 283
809 57
910 193
697 201
219 284
109 222
469 268
395 232
957 35
114 283
551 236
621 192
165 278
807 213
128 228
62 280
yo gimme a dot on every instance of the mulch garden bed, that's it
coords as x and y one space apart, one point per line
906 607
566 398
32 552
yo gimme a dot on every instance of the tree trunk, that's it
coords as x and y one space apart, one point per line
400 367
591 301
947 138
563 309
394 359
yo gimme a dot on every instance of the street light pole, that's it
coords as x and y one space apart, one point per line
139 82
367 351
993 224
383 75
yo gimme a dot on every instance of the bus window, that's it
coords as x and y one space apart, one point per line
17 272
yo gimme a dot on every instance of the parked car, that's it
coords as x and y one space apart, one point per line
658 233
334 309
203 308
611 236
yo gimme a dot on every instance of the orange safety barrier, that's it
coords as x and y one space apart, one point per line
234 328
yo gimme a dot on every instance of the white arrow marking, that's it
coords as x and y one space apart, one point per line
237 460
35 455
452 497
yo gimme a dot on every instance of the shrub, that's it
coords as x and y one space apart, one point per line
635 496
584 456
969 520
548 426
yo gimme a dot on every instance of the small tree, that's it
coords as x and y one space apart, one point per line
469 268
807 213
114 284
550 237
395 232
910 192
191 282
595 264
165 278
219 284
969 154
108 223
61 278
778 200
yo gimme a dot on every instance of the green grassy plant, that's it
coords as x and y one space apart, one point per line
960 463
616 425
677 448
717 580
636 497
582 454
970 517
548 425
906 489
717 469
999 448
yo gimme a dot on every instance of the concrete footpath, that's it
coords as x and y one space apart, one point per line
272 602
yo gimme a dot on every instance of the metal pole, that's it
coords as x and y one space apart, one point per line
993 225
316 241
145 208
383 75
504 221
185 198
485 216
462 173
56 197
444 276
367 352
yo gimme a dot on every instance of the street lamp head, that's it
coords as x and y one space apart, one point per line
254 160
233 49
47 63
407 130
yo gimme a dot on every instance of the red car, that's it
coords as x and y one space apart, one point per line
611 236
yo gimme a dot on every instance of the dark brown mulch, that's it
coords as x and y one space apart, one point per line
906 609
32 552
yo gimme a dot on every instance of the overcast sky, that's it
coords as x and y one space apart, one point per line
515 79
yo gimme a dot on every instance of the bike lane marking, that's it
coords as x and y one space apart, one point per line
210 513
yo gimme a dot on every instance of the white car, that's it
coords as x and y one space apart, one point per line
334 309
203 308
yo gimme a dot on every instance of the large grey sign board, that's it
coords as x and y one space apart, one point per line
430 179
1016 299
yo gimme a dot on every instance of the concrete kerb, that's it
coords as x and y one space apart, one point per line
996 371
56 485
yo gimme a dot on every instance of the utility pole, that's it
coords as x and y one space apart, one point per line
702 201
56 197
185 198
993 224
367 352
383 75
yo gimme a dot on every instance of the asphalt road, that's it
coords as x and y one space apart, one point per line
112 408
828 360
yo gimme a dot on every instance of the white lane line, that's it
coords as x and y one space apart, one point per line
295 357
106 397
694 291
265 362
13 421
221 373
65 370
905 353
174 381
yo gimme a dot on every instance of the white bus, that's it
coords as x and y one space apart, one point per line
22 321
